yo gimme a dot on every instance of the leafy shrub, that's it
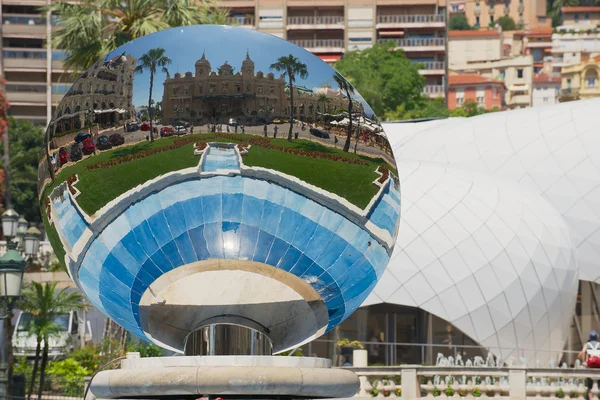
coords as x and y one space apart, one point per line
560 393
449 391
88 357
436 391
146 349
476 392
68 376
347 343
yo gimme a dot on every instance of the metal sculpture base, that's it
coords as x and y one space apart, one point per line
242 377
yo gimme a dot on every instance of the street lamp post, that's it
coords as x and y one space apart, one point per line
12 268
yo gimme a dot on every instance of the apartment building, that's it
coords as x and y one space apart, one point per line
546 89
581 81
329 28
36 80
538 43
488 93
474 46
581 18
484 13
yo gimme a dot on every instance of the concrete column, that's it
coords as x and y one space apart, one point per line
586 309
429 349
411 390
517 380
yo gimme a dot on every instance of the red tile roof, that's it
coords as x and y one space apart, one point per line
580 9
469 79
544 78
543 31
480 33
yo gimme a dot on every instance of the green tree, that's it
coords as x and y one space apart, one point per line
384 77
154 58
70 375
90 29
44 303
458 22
291 67
348 90
507 23
26 141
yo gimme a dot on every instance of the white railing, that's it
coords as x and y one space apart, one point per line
312 43
312 20
410 19
244 21
433 65
433 89
415 42
412 382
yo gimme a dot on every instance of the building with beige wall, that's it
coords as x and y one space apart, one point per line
214 96
516 72
474 46
483 13
581 81
103 94
581 18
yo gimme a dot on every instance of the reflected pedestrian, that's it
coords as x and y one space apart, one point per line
235 127
265 130
275 131
243 129
335 141
590 355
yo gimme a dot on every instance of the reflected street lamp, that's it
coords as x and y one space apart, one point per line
32 242
10 223
12 268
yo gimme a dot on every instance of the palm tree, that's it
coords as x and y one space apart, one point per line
345 86
150 61
44 303
323 99
291 67
90 29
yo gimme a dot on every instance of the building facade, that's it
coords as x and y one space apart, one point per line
37 80
488 93
102 95
474 46
527 14
546 89
580 81
207 95
581 18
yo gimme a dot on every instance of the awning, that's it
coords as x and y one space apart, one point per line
330 57
391 33
518 88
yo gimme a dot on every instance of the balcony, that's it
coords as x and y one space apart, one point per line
244 22
434 90
17 59
24 26
324 22
321 45
411 21
26 94
418 44
432 68
519 100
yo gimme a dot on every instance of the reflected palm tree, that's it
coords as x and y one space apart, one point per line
292 67
346 87
323 99
154 58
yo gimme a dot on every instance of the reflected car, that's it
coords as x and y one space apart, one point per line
232 122
88 146
166 131
63 157
116 139
180 130
81 136
132 127
319 133
103 143
145 127
76 152
181 123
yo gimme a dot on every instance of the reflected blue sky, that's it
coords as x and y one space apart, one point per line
185 45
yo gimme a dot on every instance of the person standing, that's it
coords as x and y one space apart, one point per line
243 129
590 356
275 131
265 130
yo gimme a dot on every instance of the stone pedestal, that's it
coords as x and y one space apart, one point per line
256 376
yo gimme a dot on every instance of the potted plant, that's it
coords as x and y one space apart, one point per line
354 347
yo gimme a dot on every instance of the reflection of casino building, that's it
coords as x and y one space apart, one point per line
206 95
102 94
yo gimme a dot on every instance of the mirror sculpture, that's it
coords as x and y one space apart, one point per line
219 191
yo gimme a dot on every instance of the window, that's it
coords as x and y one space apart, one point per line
591 81
491 19
272 90
200 89
480 100
520 73
502 73
476 21
545 99
224 87
248 88
212 88
495 93
238 88
260 89
586 16
576 17
460 101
